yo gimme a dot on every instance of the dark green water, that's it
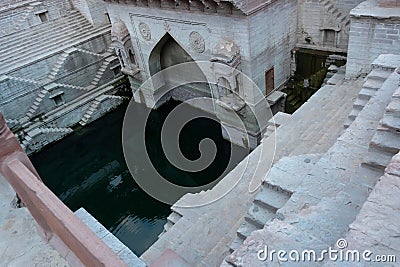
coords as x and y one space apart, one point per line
87 169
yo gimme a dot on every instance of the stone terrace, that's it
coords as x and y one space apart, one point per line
38 42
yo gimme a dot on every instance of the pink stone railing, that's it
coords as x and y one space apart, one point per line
58 224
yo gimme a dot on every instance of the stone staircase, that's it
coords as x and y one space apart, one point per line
264 208
102 69
318 122
110 51
39 98
45 39
172 219
40 137
87 52
373 82
23 80
277 120
57 66
204 235
90 113
87 88
274 194
386 141
342 19
328 198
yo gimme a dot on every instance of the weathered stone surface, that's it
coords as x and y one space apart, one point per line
331 193
19 241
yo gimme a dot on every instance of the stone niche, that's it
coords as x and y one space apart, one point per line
121 41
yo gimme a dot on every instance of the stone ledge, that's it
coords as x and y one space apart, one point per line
113 242
368 9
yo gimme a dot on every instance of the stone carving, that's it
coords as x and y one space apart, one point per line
145 31
197 42
166 26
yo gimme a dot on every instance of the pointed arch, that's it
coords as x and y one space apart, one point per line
168 52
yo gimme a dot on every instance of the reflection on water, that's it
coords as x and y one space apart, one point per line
87 169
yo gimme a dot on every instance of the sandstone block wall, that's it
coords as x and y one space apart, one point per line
78 69
272 37
317 17
16 16
93 10
265 37
370 37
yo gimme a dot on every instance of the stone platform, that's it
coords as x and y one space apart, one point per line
20 243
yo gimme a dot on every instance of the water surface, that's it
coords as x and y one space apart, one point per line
87 169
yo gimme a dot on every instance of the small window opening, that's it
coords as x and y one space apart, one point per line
43 17
58 100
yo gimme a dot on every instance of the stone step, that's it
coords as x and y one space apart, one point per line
259 215
38 38
90 87
386 141
347 123
315 131
59 46
390 121
173 217
393 108
88 52
332 129
372 84
377 159
366 93
246 229
359 104
396 94
353 114
327 221
378 75
30 50
168 226
16 36
272 198
276 235
71 86
237 242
